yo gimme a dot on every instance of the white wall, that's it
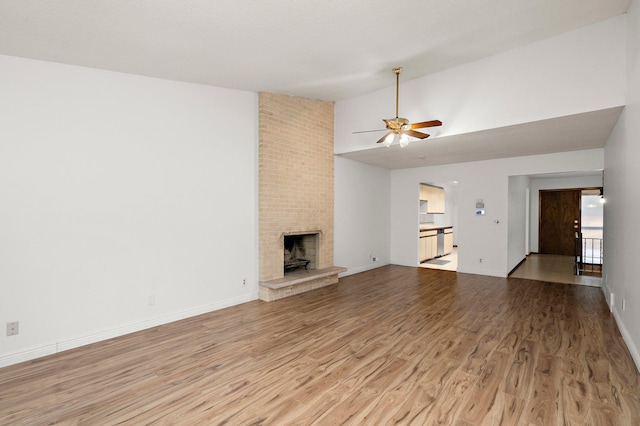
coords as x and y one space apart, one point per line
541 183
478 236
517 220
118 189
622 174
550 78
575 72
362 221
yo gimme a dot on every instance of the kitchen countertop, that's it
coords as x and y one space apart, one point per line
431 227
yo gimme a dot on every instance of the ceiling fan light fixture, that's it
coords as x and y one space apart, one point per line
389 140
399 129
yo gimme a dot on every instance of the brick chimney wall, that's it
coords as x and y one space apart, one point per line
295 177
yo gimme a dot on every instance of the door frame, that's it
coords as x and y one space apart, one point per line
560 189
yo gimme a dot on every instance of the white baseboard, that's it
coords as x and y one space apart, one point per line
358 269
633 350
611 301
488 272
609 296
403 263
66 344
27 355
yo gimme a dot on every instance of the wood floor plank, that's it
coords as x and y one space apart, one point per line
543 407
447 405
482 401
394 345
510 412
574 402
486 343
520 376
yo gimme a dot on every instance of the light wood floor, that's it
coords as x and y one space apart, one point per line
395 345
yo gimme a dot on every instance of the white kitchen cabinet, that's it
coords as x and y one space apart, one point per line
435 242
448 242
434 196
423 249
434 246
423 192
428 245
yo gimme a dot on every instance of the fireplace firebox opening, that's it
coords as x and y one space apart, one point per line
300 251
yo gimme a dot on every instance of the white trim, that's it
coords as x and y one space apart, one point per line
488 272
627 339
27 355
67 344
413 264
527 221
359 269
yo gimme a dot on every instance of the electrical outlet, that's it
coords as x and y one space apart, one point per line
612 301
13 328
374 259
244 282
480 260
152 299
624 305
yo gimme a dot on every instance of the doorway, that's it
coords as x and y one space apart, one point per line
444 219
551 267
570 224
591 233
559 221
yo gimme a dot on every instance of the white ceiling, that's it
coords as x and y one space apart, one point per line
570 133
322 49
329 49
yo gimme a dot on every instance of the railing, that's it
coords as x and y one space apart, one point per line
588 255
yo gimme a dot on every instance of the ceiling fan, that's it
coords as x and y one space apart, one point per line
398 128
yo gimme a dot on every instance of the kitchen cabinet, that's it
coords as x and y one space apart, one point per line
448 241
434 196
424 254
428 244
434 246
435 241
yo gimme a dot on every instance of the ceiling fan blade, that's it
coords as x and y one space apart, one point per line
369 131
415 134
382 138
432 123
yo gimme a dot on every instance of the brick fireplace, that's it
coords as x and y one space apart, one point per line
295 191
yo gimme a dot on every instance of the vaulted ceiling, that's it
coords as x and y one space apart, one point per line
330 49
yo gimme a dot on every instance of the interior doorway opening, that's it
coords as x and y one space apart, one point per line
525 250
589 257
571 224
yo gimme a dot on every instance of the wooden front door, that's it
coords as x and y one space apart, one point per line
559 221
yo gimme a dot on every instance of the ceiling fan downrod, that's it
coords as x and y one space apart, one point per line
397 70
